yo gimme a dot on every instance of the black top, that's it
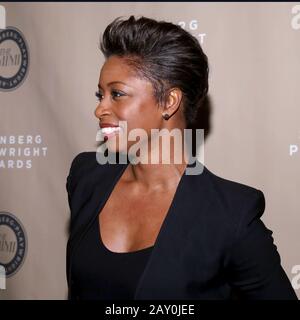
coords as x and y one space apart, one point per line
103 274
212 241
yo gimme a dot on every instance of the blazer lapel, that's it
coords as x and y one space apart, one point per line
173 234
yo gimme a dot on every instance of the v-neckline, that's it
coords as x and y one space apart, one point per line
111 189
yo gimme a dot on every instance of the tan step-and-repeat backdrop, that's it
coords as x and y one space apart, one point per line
49 68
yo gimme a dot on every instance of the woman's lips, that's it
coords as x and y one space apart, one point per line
109 132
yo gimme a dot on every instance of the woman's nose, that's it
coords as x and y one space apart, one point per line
100 110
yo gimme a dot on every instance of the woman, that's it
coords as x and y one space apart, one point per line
149 230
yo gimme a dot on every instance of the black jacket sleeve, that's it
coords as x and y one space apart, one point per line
255 270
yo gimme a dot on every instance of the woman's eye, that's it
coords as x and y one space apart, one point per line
98 95
115 94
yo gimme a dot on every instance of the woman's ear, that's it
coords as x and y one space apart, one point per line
173 101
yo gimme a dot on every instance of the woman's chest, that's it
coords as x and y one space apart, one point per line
132 222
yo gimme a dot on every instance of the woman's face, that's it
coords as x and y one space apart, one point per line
125 97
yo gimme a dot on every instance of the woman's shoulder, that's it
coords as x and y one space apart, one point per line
86 168
82 166
234 199
83 158
228 188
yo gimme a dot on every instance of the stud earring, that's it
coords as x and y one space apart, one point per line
166 116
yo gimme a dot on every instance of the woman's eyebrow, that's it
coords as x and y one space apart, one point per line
113 82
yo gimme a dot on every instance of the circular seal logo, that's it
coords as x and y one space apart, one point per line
13 243
14 58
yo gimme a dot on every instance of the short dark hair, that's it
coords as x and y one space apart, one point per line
163 53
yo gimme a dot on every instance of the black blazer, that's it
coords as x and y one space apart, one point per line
211 245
